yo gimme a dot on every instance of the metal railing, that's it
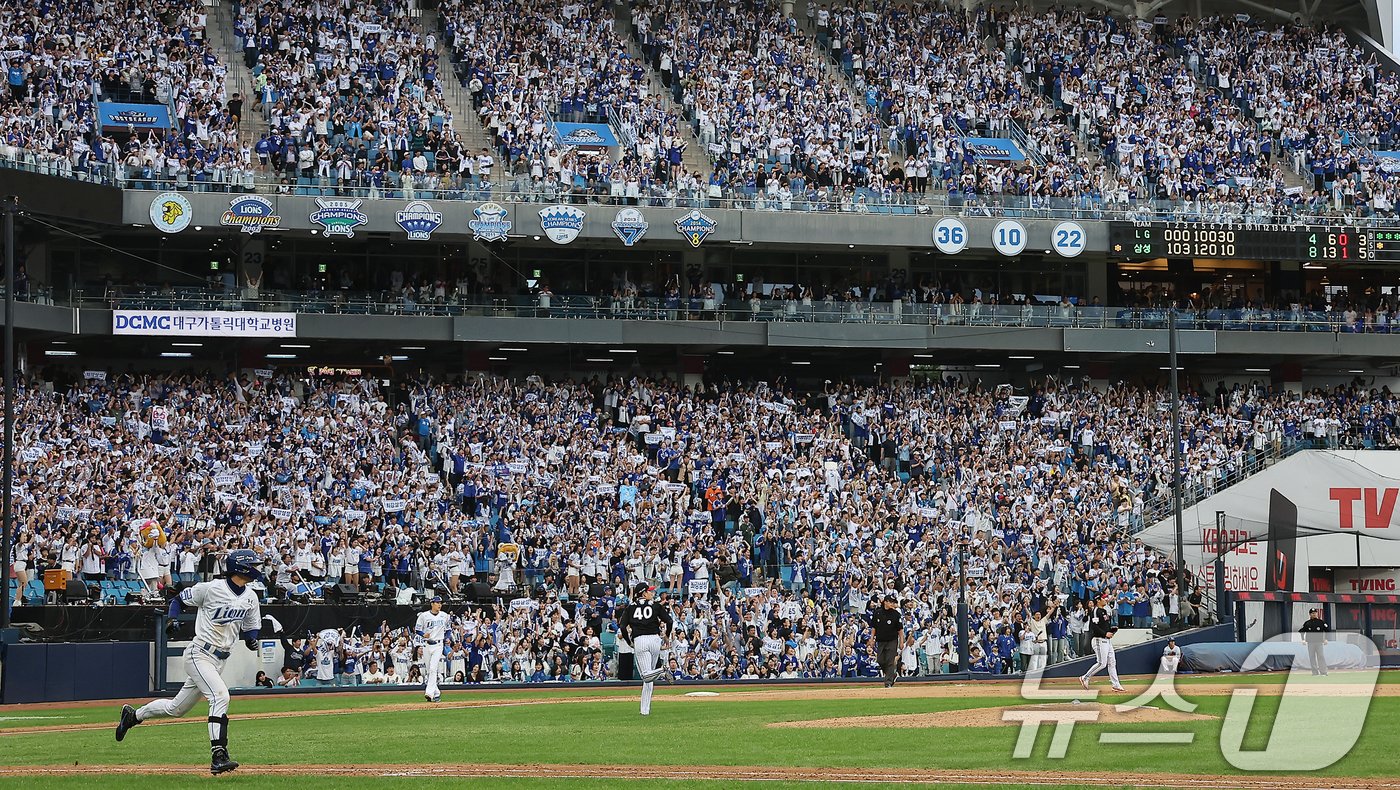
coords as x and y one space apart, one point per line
521 189
660 308
1159 506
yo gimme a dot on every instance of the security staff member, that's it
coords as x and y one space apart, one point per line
888 630
1314 632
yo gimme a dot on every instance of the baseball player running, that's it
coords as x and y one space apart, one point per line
1101 631
641 624
432 626
228 611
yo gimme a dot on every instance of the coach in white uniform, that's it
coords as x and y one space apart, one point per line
432 627
228 612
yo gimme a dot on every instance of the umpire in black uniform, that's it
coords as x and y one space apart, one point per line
888 629
1314 632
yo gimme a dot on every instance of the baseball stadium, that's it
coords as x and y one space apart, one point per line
622 393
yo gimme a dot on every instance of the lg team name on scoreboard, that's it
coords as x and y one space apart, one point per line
1009 237
1341 244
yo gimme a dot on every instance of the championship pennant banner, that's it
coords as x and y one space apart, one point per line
203 323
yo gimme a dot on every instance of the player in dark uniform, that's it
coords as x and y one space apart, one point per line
889 627
1101 631
1314 632
641 625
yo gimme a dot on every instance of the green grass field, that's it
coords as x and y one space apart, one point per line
586 744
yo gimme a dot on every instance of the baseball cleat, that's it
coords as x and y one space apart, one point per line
1119 688
127 721
1084 682
220 762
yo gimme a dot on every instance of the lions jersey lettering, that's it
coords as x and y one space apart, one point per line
433 626
224 614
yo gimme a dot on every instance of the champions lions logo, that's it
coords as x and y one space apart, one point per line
339 217
171 212
561 224
695 227
250 214
418 220
630 225
492 222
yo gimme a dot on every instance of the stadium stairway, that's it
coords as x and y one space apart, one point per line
219 29
465 120
696 159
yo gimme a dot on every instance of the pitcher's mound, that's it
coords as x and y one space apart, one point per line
1085 713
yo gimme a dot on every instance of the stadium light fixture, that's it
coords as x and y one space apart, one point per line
1020 356
281 356
398 358
923 356
801 362
498 359
176 354
1071 367
622 351
726 353
58 352
188 345
415 348
600 359
521 350
987 365
295 345
1356 371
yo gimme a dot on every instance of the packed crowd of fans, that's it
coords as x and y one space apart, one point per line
944 86
62 58
793 509
863 105
1160 132
351 95
526 65
1326 99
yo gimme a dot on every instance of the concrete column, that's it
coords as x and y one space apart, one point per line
1096 281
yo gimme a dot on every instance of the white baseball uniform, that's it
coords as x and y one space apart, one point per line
327 646
1104 658
1171 659
433 628
224 614
648 654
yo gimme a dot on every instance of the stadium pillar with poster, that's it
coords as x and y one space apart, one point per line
7 634
1222 601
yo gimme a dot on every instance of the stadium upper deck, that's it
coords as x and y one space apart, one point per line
1202 118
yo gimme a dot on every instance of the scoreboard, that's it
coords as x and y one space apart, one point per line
1253 242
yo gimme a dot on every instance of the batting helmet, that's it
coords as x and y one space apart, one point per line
244 563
